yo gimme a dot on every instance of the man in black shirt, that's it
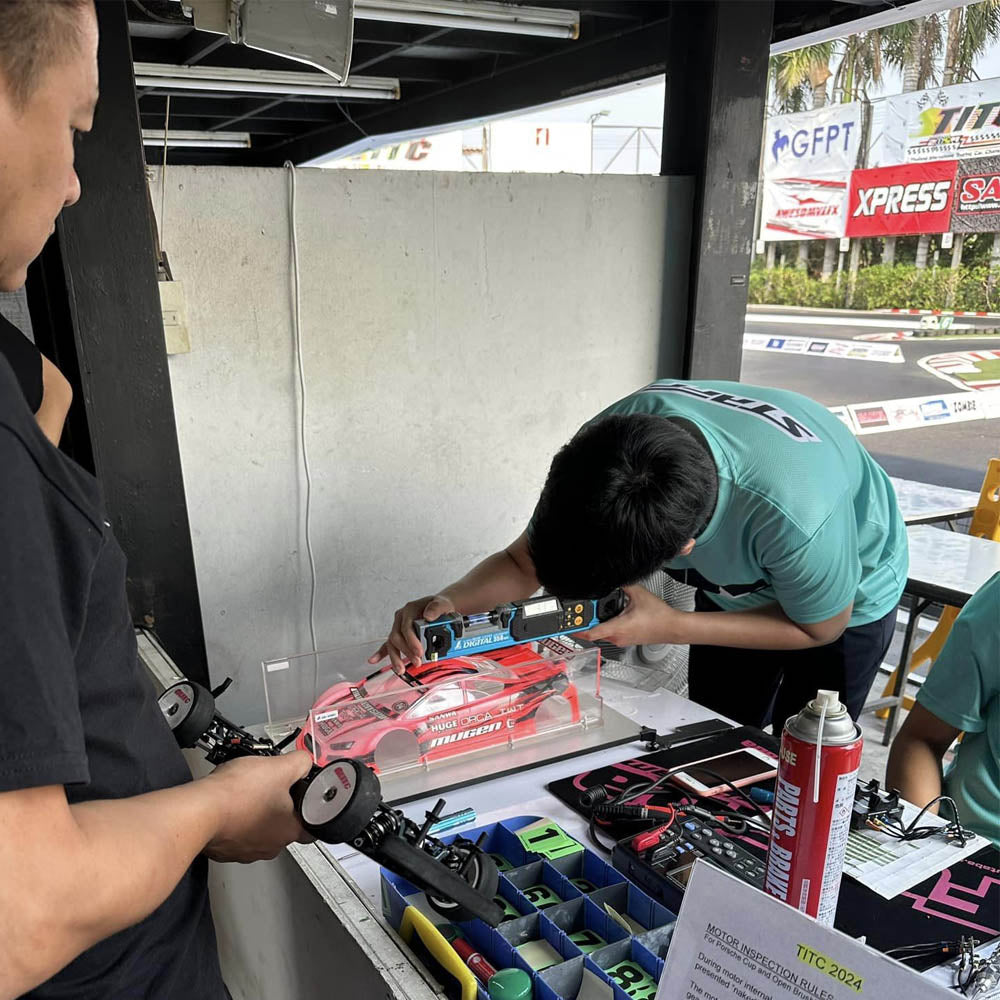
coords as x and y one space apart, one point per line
45 388
104 838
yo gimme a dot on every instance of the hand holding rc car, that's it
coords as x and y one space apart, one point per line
342 803
258 817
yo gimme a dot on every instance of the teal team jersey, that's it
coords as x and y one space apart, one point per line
805 517
963 690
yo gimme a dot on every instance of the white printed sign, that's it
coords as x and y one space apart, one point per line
811 208
807 160
947 123
813 143
732 941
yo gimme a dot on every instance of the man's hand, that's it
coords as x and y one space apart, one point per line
258 818
645 619
403 647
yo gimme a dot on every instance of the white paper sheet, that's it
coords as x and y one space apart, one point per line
734 942
889 866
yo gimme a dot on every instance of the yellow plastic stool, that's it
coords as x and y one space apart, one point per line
985 524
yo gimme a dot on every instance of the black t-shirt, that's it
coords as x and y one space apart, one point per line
25 359
78 709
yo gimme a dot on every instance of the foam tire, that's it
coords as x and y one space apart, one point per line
337 802
189 709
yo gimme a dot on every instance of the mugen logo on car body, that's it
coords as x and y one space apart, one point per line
466 734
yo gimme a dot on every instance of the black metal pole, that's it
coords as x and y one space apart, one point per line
713 115
103 286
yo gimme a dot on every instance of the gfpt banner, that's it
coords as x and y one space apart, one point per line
948 123
807 161
976 208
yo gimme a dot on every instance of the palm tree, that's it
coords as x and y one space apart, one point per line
970 31
860 67
801 74
795 77
913 47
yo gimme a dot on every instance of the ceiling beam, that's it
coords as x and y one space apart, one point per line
621 57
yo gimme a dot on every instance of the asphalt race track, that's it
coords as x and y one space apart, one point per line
953 454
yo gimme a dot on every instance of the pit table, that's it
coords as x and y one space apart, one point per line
946 568
925 503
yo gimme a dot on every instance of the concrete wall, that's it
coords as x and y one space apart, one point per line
456 328
14 307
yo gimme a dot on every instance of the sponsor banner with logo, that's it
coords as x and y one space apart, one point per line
947 123
920 411
909 199
977 370
817 347
976 208
803 208
808 158
432 152
813 143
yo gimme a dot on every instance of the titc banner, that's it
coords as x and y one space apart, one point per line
807 160
733 942
947 123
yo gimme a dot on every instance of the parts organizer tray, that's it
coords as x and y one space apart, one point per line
560 902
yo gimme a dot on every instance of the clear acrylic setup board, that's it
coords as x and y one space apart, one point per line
459 721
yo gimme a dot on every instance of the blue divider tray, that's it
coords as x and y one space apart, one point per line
560 902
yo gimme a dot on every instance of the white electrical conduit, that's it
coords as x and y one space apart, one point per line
293 234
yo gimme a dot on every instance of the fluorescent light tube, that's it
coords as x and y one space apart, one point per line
178 138
469 14
259 81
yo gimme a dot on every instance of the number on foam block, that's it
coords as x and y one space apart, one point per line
549 840
541 896
633 979
587 940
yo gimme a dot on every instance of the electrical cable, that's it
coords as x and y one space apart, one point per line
597 797
163 179
297 332
952 831
645 788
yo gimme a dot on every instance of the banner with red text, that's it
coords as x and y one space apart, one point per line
908 199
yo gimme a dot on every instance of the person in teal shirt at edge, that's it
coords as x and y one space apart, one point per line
961 695
760 498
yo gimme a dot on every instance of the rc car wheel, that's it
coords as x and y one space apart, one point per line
189 709
339 800
481 874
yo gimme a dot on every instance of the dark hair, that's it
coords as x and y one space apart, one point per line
621 499
34 34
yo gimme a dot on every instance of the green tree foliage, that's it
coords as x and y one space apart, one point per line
879 286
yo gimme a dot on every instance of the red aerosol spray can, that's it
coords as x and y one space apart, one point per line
813 799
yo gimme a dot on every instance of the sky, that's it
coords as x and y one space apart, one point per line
641 104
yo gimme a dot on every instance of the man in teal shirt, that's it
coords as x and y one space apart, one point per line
760 498
961 695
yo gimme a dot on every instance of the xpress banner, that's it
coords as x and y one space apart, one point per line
976 208
807 161
909 199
